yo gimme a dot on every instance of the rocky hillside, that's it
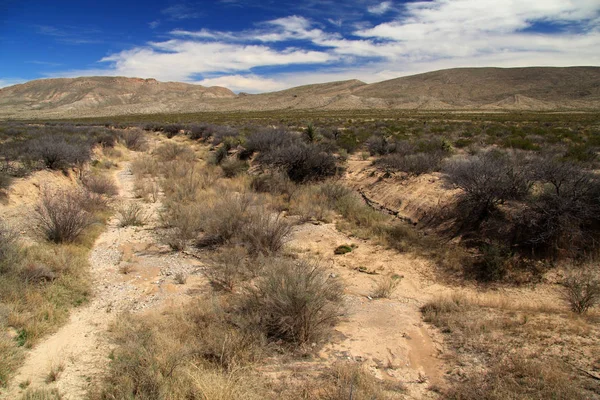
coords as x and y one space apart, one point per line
535 88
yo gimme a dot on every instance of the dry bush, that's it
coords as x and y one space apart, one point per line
294 301
385 286
182 181
309 204
228 268
487 180
184 222
100 184
134 139
146 189
224 217
581 289
412 164
232 167
301 162
265 233
274 182
61 214
171 151
5 181
145 165
59 151
131 214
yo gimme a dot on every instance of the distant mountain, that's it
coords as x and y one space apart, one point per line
91 95
534 88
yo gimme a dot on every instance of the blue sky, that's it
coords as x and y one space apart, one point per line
257 46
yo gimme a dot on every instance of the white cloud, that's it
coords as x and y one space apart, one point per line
244 83
380 8
425 36
180 11
181 59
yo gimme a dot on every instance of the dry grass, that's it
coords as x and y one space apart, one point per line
517 348
42 283
385 286
132 214
183 353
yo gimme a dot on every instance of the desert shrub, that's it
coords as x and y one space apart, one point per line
5 181
493 262
309 203
58 152
145 165
131 214
100 184
487 180
266 139
565 212
518 377
581 289
182 181
265 233
200 131
232 167
225 217
172 130
412 164
378 145
294 301
228 268
342 249
146 189
134 139
221 134
184 221
171 151
301 162
385 286
61 214
106 139
220 154
274 182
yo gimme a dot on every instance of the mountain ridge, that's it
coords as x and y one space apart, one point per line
528 88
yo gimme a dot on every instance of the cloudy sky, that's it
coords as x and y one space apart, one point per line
257 46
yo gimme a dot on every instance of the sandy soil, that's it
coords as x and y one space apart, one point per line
386 335
81 347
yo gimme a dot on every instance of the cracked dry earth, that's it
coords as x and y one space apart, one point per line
81 347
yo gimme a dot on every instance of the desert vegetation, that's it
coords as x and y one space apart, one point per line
514 215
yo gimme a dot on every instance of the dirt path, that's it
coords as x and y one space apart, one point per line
79 350
387 335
